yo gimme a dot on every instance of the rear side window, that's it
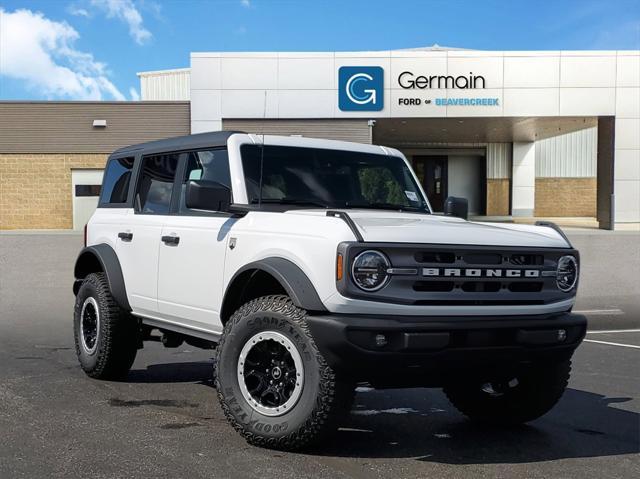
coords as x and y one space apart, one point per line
115 185
156 183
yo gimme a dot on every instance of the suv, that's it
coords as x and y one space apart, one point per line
312 265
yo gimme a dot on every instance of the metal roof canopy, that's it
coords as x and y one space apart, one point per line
415 131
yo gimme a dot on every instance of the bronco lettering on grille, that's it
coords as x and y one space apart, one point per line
481 272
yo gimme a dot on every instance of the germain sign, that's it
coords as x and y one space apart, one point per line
361 88
408 80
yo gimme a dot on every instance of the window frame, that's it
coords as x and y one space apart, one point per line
132 181
174 203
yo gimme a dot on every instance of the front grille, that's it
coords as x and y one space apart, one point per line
480 287
435 257
433 286
464 275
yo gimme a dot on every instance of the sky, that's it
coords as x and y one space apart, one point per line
92 49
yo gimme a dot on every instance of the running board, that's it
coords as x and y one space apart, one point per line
184 330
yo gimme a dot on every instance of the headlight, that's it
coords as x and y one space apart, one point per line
369 270
567 273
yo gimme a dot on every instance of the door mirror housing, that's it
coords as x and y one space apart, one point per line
458 207
207 195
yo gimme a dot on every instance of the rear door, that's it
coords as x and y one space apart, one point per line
190 281
140 234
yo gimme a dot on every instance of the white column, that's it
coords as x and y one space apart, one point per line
523 183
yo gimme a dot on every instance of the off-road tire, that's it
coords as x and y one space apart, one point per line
539 388
325 397
117 336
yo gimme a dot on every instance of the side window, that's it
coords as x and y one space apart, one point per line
205 165
115 185
156 184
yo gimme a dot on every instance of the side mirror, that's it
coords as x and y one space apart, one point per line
458 207
207 195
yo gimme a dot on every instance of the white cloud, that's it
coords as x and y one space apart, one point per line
41 52
245 3
78 12
126 11
133 93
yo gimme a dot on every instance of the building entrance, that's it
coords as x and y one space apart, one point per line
432 172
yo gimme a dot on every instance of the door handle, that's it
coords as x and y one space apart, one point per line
174 240
125 236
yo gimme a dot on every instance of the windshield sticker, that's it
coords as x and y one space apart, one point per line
411 195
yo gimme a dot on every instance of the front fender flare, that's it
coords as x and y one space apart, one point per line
102 256
294 281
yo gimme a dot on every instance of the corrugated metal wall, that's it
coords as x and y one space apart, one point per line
573 155
499 160
67 127
172 85
345 130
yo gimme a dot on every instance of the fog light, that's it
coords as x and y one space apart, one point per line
381 340
562 335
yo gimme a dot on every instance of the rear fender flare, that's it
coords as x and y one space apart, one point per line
102 257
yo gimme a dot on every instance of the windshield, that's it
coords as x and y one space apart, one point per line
312 177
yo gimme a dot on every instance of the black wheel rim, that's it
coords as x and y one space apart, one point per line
270 373
89 325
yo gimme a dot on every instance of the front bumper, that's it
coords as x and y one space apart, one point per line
425 351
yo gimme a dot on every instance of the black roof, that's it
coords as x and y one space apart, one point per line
188 142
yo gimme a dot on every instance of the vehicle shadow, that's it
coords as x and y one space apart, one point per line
178 372
422 424
583 424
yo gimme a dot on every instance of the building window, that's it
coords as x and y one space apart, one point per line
87 190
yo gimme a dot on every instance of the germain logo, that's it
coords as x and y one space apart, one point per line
481 273
360 88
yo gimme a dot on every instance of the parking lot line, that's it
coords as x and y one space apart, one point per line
613 331
612 344
594 312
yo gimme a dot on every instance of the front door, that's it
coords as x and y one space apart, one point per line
432 171
193 248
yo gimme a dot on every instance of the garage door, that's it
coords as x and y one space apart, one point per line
85 190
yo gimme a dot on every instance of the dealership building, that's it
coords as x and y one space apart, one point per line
522 135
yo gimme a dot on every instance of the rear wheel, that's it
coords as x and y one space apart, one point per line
106 337
514 399
273 383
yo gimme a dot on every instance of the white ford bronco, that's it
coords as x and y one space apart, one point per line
311 266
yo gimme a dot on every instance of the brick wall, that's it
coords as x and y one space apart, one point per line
498 196
35 190
566 197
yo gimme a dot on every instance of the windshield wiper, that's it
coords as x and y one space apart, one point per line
291 201
385 206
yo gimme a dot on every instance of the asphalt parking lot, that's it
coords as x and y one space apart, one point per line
164 420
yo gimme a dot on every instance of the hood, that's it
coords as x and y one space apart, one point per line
397 227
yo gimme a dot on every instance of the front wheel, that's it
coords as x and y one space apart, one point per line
273 384
520 398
